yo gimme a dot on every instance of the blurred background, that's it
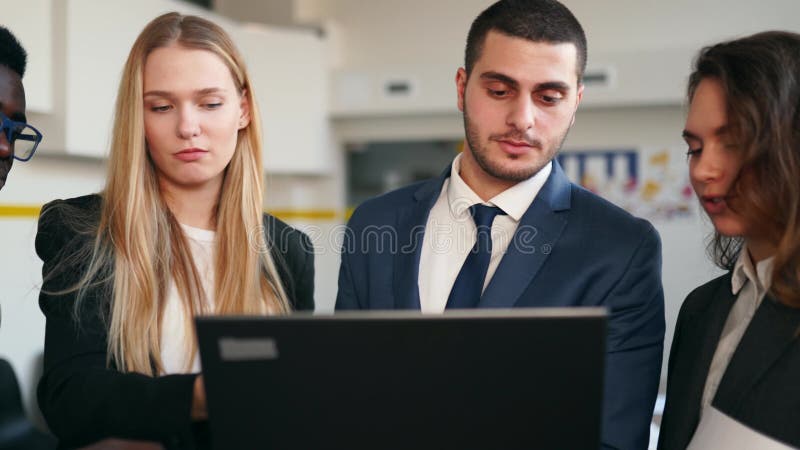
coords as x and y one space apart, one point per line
357 98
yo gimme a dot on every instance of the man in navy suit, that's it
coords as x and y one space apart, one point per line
504 227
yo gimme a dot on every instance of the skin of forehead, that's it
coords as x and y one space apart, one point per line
12 93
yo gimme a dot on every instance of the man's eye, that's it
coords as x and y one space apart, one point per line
551 99
498 93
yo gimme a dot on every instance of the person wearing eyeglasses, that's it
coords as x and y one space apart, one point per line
18 140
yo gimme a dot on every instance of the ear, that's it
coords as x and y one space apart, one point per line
578 98
461 87
244 110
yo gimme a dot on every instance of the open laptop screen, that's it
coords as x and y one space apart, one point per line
477 379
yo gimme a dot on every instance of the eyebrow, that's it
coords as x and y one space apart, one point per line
497 76
168 94
718 132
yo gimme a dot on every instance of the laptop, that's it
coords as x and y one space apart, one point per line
470 379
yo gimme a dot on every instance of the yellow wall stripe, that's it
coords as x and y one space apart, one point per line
19 210
307 214
32 211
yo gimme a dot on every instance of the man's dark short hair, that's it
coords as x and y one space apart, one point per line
12 55
535 20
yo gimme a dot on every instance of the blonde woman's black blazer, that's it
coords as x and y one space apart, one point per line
760 387
82 399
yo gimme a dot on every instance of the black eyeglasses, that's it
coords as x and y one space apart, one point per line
22 137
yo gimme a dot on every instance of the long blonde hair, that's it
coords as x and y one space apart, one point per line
140 238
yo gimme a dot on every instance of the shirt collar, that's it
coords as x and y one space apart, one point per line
743 271
514 201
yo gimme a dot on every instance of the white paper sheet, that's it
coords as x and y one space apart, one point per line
718 431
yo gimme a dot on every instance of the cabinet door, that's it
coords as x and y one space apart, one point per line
287 68
98 38
31 22
289 75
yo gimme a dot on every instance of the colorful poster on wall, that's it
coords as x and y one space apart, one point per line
650 183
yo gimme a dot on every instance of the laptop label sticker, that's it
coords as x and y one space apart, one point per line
248 349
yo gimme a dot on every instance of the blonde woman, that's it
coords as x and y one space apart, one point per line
178 231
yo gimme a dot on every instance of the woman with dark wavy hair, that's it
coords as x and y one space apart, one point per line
735 359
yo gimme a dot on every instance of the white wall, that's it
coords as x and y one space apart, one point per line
37 40
314 194
385 33
276 12
423 42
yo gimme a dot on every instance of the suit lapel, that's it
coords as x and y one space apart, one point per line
706 329
536 236
773 328
410 226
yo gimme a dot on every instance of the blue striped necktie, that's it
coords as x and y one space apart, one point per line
467 289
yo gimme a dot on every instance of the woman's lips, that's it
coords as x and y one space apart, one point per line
191 154
714 204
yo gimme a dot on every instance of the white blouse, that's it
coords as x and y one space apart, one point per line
751 284
176 332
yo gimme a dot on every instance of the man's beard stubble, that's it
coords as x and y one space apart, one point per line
481 154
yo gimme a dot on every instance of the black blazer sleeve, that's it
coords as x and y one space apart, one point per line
81 398
697 331
293 254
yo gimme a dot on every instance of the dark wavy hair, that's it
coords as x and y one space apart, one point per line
760 75
535 20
